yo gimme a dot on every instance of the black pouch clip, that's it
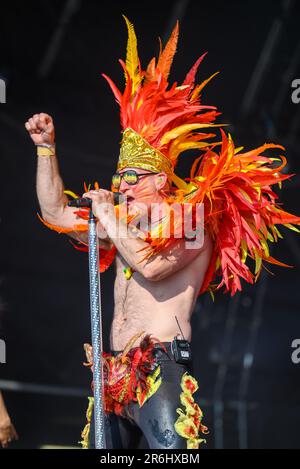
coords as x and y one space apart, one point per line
181 350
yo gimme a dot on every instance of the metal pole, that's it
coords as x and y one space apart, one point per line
96 323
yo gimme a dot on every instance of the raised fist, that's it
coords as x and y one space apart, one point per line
41 129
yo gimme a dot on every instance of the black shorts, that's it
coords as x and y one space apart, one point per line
152 425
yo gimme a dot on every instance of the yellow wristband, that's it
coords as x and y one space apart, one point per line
45 151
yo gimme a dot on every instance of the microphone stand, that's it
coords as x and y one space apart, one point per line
96 323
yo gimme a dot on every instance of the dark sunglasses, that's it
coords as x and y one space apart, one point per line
130 176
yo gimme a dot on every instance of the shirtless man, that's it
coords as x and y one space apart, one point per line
159 289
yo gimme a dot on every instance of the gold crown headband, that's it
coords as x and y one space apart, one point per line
137 153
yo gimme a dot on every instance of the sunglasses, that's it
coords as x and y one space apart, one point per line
130 176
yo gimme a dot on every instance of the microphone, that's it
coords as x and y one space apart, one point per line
86 202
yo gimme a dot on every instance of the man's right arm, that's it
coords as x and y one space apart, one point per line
49 184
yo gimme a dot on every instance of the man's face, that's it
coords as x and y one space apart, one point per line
147 188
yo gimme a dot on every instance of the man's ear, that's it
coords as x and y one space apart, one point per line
160 181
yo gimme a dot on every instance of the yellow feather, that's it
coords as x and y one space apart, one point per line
291 227
71 193
265 247
258 262
174 133
178 147
244 248
132 59
270 237
180 183
237 150
275 159
200 87
277 232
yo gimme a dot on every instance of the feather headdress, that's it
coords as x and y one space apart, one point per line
159 121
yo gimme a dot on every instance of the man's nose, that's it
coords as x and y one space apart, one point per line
123 186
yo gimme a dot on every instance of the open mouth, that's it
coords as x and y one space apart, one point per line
129 199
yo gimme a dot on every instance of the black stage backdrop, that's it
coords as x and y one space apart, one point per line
52 54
